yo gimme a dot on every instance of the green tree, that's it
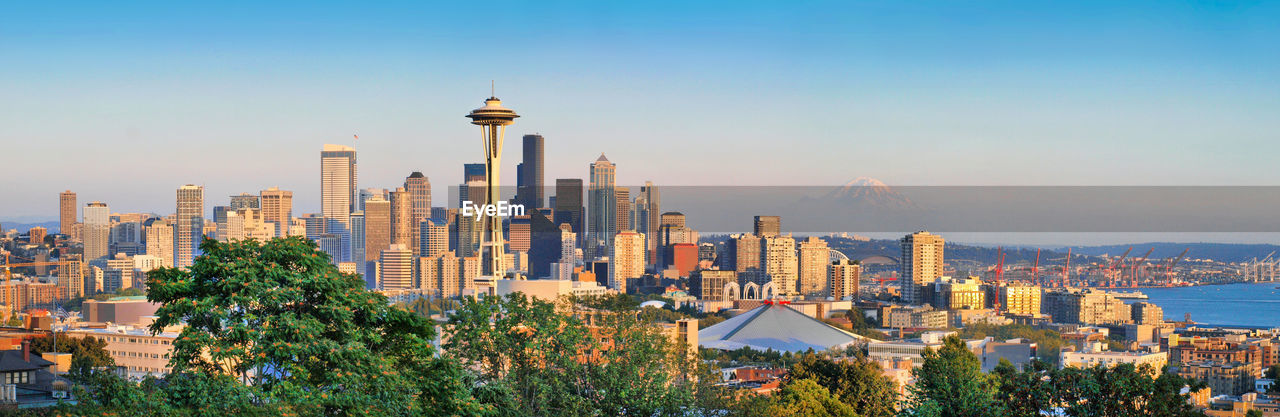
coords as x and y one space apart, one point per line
856 381
1023 393
805 398
951 384
312 338
1253 413
87 353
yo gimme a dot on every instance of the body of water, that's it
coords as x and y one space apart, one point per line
1254 305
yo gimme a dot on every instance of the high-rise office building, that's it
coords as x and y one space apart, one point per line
814 260
529 173
768 226
188 230
518 236
244 200
568 207
377 227
396 267
648 207
627 259
602 208
368 193
1019 298
921 264
402 219
419 188
358 240
337 182
843 277
97 231
624 216
277 208
433 239
159 237
742 254
778 257
66 212
71 276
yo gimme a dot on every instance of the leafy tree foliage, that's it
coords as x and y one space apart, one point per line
951 384
584 357
87 353
311 340
806 397
856 382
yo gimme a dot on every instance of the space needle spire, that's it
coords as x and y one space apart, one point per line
493 120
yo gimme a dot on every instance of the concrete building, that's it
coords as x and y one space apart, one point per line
402 226
814 260
778 263
648 209
958 294
419 188
97 231
337 182
1073 306
377 227
395 264
119 310
1156 360
715 285
1224 378
842 282
602 208
551 290
1147 313
922 263
1019 298
433 239
188 228
133 347
529 173
767 226
627 259
624 216
159 236
66 212
277 209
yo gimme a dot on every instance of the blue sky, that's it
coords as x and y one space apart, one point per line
124 101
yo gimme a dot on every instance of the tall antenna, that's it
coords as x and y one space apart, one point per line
491 89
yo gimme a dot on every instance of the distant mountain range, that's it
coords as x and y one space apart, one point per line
1226 252
24 226
867 191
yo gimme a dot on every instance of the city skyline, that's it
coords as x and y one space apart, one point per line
1104 106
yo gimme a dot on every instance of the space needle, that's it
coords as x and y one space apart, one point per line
493 120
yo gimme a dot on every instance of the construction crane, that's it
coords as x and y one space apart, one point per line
999 269
1035 269
1110 269
1133 275
8 275
1066 270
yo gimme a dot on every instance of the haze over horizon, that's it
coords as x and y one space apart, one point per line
125 102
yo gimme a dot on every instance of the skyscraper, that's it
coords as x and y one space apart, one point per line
337 182
396 268
244 200
358 239
71 276
768 226
843 279
814 260
189 228
602 208
529 184
377 227
402 219
778 257
922 260
569 203
66 212
433 239
97 231
277 207
647 209
624 216
419 188
159 236
627 259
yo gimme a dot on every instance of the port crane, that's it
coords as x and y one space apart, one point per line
1133 274
1168 269
1111 269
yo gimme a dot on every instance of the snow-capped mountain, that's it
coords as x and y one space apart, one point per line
867 191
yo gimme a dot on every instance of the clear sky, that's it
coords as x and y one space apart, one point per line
125 101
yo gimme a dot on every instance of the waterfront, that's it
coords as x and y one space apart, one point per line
1254 305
